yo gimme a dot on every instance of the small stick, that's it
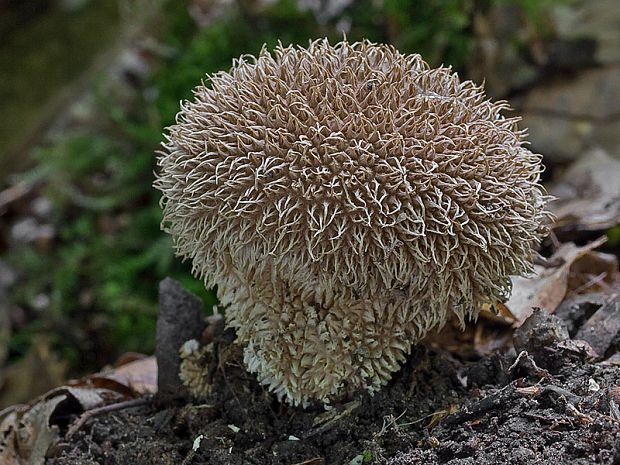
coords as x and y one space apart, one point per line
106 408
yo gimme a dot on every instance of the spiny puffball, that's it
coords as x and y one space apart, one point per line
345 199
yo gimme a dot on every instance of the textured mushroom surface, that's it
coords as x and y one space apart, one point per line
346 199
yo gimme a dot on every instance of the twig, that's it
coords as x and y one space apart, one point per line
106 408
530 365
312 461
498 399
330 420
598 279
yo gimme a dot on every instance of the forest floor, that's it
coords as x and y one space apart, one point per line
550 404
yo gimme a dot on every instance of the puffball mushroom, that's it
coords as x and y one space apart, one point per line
345 199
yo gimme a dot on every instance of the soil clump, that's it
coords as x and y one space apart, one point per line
555 406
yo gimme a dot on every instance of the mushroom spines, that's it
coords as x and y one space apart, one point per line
347 183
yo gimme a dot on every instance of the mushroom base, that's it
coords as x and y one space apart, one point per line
325 346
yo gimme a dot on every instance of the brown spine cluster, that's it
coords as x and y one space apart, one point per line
345 200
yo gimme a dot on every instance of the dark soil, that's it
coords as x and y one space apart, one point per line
439 409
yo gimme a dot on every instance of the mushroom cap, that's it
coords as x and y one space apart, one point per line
345 199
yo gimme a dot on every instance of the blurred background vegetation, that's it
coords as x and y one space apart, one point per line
86 88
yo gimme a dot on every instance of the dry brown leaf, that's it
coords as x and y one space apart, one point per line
593 272
578 346
497 313
128 357
39 371
614 360
26 432
35 433
135 378
8 454
603 327
528 391
105 383
140 375
491 333
588 194
86 398
453 338
548 287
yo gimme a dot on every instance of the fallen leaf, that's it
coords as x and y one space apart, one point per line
603 327
28 431
8 454
85 398
529 390
103 382
131 379
588 195
128 357
437 416
497 313
453 338
140 375
579 347
35 433
614 360
548 287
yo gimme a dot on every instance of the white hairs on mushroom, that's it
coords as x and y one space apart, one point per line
345 200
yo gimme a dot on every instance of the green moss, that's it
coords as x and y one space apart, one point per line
102 273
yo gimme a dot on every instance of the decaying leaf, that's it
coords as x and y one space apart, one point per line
588 194
8 453
134 378
437 416
139 375
593 272
602 328
578 346
35 431
548 287
28 431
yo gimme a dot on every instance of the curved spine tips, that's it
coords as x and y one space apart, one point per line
346 199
